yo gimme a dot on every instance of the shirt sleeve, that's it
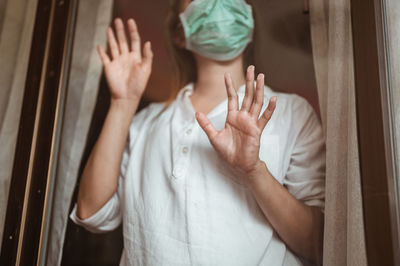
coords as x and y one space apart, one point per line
108 217
305 178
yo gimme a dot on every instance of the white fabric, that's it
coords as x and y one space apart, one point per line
181 204
92 21
15 43
344 240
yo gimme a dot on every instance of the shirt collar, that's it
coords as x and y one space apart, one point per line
186 91
190 87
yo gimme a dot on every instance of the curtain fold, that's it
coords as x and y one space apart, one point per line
393 30
16 30
344 240
93 18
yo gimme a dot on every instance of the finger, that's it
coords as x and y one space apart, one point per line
206 125
147 54
135 37
266 116
103 56
119 26
248 96
112 43
259 98
232 95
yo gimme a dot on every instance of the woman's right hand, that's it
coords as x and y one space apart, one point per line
127 71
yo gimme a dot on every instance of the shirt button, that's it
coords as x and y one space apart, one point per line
189 131
185 150
177 172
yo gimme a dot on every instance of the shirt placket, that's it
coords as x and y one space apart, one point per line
182 153
184 138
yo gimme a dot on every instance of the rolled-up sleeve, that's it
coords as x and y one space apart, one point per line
305 178
106 219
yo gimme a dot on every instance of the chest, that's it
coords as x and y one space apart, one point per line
179 148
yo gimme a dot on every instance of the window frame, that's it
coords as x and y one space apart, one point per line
376 149
29 203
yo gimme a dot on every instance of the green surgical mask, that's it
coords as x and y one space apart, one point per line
218 29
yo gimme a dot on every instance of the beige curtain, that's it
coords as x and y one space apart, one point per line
2 12
16 28
93 18
344 242
393 31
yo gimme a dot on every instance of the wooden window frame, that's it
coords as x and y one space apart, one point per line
29 203
376 149
30 197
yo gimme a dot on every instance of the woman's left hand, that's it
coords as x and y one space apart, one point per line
239 141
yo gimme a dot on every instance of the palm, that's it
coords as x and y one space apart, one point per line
124 74
128 71
239 141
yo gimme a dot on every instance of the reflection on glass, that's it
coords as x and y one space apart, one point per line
285 54
392 35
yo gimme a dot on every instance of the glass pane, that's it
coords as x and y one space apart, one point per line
391 10
286 58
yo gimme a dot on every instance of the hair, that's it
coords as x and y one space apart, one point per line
183 62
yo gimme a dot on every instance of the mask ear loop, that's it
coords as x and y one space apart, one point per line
179 35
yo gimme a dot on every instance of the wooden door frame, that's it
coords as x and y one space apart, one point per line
377 166
29 201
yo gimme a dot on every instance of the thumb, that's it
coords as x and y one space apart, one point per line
206 125
147 54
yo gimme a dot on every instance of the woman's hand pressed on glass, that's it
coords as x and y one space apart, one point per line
239 141
127 71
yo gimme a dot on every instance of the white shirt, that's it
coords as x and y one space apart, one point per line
179 201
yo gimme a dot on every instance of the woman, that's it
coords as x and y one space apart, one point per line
205 180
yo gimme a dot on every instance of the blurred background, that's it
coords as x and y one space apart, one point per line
286 53
287 62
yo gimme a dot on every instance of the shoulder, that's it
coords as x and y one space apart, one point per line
289 102
292 107
150 111
303 113
295 116
146 116
306 128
